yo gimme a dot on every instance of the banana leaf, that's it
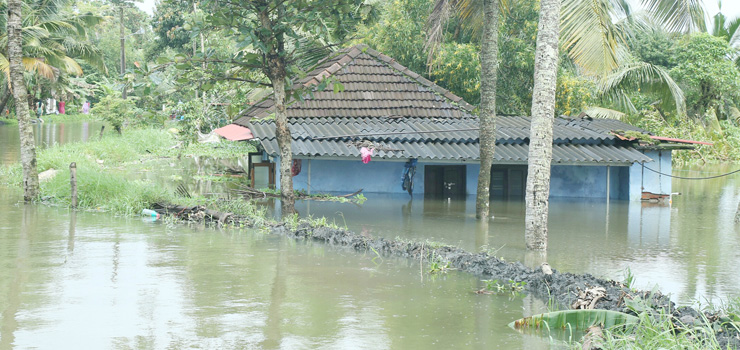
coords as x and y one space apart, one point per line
574 319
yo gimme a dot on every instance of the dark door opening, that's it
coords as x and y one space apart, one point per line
444 180
508 181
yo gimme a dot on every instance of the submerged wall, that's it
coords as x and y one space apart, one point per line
644 179
585 181
347 176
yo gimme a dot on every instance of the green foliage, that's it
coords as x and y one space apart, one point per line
574 319
105 191
400 32
724 134
116 111
517 35
438 266
573 93
456 67
198 118
655 47
655 329
167 24
101 184
709 79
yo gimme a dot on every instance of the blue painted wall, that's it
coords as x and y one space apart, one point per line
351 175
584 181
644 180
347 176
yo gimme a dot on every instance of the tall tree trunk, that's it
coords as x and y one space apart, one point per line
123 54
276 71
284 143
4 102
489 70
540 137
28 147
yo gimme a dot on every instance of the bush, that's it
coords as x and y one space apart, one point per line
117 111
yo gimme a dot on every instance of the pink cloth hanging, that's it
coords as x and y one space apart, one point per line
61 107
366 154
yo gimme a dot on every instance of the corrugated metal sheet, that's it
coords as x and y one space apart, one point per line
505 153
508 129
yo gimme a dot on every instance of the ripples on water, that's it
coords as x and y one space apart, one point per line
93 281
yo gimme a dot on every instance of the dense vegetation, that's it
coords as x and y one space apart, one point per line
186 60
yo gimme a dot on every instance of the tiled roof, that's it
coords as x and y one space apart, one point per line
575 140
375 85
408 116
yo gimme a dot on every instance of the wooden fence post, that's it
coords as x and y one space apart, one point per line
73 184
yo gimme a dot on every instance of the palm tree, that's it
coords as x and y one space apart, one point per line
489 71
53 38
487 133
685 15
728 29
540 136
15 55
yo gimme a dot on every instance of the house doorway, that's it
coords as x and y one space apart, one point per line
508 181
261 172
444 180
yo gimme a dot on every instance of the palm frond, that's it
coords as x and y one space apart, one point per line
733 32
85 51
40 67
679 15
643 76
435 26
590 36
604 113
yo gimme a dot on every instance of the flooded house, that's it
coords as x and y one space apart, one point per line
390 130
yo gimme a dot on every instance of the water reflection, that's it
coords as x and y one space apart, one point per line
45 134
687 249
103 282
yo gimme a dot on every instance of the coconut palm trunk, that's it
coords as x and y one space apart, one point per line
540 138
487 137
28 147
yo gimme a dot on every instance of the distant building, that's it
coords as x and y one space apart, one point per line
409 121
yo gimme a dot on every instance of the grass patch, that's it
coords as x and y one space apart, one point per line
659 330
105 191
222 150
69 118
10 121
101 185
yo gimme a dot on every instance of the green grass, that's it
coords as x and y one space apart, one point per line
101 173
10 121
68 118
222 150
656 330
101 183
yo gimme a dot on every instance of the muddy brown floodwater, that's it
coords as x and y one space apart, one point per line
89 280
690 249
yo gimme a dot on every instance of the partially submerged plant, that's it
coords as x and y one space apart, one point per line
494 286
438 266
